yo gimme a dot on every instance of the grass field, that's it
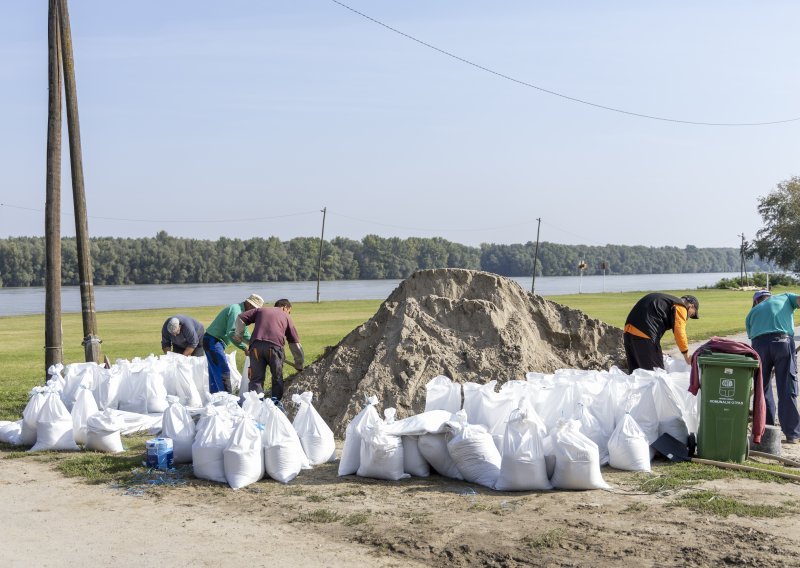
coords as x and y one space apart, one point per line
128 334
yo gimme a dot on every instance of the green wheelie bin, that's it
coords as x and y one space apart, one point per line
726 386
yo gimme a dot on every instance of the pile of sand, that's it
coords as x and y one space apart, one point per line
467 325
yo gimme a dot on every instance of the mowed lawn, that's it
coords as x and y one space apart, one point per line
137 333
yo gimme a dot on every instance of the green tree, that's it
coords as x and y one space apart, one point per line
779 239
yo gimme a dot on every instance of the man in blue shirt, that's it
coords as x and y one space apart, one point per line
770 327
184 335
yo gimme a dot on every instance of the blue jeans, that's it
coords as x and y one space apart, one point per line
219 374
777 351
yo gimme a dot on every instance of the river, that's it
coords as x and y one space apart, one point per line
21 301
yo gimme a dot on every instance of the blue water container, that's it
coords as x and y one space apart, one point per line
159 453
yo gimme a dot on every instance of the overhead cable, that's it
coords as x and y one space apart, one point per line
556 93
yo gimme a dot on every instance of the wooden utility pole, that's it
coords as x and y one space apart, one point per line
741 263
54 344
321 241
91 343
535 256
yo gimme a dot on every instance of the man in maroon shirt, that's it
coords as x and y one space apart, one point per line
272 328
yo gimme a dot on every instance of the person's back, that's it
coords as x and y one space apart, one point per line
775 314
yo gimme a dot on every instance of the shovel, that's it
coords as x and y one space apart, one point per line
676 451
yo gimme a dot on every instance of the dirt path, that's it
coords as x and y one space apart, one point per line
322 520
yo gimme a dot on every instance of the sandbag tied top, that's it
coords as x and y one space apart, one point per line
85 405
523 467
283 453
474 452
315 435
351 451
54 426
628 447
577 459
178 426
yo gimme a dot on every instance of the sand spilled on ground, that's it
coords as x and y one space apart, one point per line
467 325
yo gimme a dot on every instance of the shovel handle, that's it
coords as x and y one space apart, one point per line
740 467
787 461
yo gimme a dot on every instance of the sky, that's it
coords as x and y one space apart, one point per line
246 118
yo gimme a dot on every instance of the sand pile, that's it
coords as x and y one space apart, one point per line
467 325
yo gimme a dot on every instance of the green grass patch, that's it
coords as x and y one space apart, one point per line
314 498
680 475
318 516
711 502
636 507
100 468
546 539
355 519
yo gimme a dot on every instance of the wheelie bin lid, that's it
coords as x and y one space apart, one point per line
727 360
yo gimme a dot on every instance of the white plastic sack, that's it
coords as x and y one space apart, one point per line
179 427
283 452
628 447
315 435
489 408
236 376
243 457
443 394
244 380
107 391
30 416
208 447
85 405
132 392
103 432
413 462
11 433
577 459
523 466
77 375
428 422
474 452
351 450
54 426
381 454
433 448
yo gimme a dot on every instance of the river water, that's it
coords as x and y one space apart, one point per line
21 301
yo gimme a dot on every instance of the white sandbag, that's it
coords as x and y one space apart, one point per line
251 404
381 454
11 433
77 375
179 380
474 452
156 392
433 448
209 445
283 452
486 407
243 457
132 394
180 428
593 429
628 447
443 394
639 400
85 405
556 402
413 462
103 431
30 415
523 466
244 380
315 435
577 459
54 426
199 367
428 422
351 450
236 376
106 393
672 365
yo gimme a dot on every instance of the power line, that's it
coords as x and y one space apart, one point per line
438 229
556 93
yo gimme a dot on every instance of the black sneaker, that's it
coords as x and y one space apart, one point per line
279 405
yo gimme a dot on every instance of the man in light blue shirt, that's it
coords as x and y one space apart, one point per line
770 327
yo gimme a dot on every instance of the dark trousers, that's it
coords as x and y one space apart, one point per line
777 351
219 373
642 353
198 351
264 354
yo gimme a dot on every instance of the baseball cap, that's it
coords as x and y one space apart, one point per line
695 302
760 296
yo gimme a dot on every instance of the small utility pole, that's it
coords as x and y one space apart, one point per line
535 256
324 211
91 343
53 339
741 262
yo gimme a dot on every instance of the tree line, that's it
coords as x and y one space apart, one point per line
164 259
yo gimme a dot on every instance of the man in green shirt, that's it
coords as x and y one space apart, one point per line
770 327
219 336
